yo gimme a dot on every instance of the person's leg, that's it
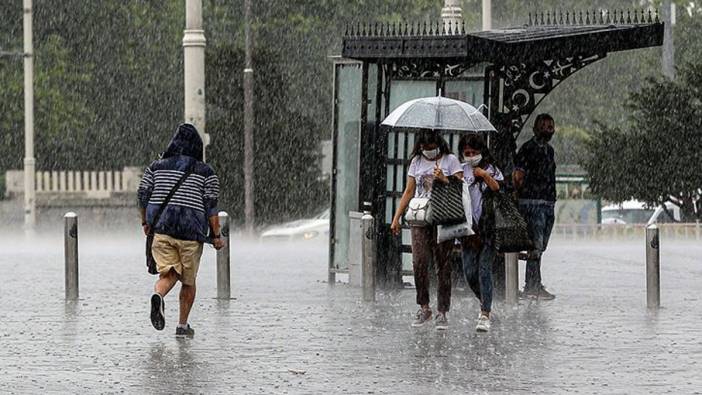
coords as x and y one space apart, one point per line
166 253
442 254
485 261
168 264
421 254
190 252
535 222
165 282
548 216
470 268
187 297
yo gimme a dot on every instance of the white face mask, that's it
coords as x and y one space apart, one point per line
473 161
431 154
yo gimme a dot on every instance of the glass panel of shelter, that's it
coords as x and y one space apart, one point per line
347 115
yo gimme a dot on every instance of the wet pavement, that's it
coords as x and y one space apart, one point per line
287 331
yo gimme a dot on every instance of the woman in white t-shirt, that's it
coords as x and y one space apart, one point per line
478 250
431 159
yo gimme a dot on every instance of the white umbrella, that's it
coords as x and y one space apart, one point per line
438 113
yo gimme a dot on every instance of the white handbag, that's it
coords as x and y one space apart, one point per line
418 212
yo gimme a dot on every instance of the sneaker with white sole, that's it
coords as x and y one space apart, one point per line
158 318
423 316
185 332
483 323
539 293
441 322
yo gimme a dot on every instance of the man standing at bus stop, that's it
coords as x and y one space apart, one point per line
534 179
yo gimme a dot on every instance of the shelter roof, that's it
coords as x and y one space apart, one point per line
546 36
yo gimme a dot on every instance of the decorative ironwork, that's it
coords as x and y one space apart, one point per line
429 70
595 17
524 86
405 29
549 18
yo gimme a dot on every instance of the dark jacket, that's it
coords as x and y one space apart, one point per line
538 163
186 215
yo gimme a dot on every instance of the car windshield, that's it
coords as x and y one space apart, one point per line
630 216
323 215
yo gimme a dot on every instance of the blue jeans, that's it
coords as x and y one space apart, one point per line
539 217
477 267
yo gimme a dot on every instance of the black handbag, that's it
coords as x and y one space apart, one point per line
510 229
150 261
446 202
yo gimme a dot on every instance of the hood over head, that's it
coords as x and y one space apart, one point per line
185 141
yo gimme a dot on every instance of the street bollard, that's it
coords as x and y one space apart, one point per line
223 272
511 278
70 247
368 254
653 268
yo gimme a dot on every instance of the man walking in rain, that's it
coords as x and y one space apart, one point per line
182 227
534 178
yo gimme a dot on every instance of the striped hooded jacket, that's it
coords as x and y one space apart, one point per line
186 215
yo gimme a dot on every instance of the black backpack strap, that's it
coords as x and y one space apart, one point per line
170 195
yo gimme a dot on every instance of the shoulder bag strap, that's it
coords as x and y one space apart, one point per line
170 195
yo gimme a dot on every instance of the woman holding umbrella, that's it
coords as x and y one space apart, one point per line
431 159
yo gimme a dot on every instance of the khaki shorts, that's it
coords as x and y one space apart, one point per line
183 256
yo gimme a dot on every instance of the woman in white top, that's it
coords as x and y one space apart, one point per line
431 159
478 250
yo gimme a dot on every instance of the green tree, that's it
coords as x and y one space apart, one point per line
62 115
657 157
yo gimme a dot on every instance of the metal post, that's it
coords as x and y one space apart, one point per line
249 211
368 254
487 15
511 278
223 260
70 246
668 59
29 161
194 69
653 268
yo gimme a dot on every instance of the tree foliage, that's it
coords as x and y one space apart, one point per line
658 156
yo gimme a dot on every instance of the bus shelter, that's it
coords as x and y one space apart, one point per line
507 71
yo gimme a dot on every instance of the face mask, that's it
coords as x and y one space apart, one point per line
431 154
473 161
544 137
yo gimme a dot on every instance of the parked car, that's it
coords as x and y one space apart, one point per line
301 229
635 212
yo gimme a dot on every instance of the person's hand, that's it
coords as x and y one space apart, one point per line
218 243
147 229
480 172
440 174
395 227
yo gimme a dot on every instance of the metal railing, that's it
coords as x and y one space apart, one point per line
600 232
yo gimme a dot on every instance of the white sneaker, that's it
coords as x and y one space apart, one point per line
483 323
